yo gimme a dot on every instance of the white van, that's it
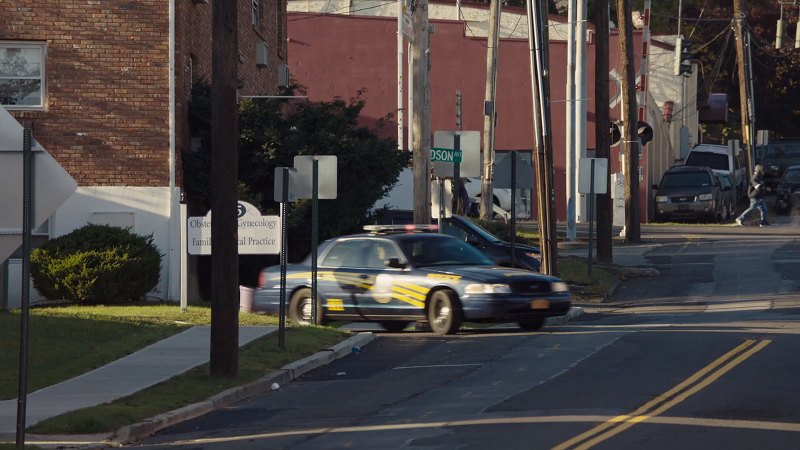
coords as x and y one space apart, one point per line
721 159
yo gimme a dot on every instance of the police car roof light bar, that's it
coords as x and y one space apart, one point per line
401 228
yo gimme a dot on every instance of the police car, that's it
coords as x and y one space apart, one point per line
395 275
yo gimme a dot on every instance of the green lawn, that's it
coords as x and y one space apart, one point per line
67 341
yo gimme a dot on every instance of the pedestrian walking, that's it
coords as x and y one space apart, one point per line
756 192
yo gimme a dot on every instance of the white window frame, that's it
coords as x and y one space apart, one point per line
42 47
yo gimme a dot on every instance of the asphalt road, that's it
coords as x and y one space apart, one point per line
702 356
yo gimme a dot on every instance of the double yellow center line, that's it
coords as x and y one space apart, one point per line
667 400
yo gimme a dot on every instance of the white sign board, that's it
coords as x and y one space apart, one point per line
326 176
52 185
258 235
470 146
585 173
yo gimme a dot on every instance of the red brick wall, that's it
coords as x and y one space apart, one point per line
106 118
107 74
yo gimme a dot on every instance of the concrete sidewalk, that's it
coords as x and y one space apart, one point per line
151 365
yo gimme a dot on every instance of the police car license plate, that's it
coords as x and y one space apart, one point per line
540 303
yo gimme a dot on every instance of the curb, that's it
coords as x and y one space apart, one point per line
138 431
574 311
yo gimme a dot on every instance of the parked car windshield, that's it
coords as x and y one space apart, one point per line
792 176
476 230
429 251
782 151
714 160
685 179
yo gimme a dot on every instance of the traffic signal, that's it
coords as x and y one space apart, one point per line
643 130
683 57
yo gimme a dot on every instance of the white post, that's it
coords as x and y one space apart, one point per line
580 101
184 258
570 120
400 42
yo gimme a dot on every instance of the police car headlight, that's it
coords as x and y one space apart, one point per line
559 286
483 288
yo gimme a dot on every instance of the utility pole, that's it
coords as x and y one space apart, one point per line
224 358
744 99
490 111
602 137
538 41
421 146
630 136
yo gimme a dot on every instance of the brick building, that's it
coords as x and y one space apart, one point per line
106 84
332 58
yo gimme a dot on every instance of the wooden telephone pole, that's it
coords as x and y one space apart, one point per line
224 358
490 111
744 99
630 135
421 145
605 210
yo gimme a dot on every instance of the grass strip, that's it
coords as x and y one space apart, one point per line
256 360
575 271
65 342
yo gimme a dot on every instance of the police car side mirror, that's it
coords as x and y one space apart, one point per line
394 263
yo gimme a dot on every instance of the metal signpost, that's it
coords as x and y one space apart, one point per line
282 196
592 180
309 168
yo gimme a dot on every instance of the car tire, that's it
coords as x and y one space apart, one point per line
300 308
394 326
444 312
532 324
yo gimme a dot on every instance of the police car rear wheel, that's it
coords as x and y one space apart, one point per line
300 308
444 312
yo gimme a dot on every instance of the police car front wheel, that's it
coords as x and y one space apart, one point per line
444 312
300 308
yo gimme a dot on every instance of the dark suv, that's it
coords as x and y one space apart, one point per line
688 192
775 157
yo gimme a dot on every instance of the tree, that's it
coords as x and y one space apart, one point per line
273 132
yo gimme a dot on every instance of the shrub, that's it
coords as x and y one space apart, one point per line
96 264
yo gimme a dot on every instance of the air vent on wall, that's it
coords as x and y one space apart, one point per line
262 54
283 75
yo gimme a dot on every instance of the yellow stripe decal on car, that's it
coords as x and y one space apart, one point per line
440 276
413 287
335 304
410 293
406 299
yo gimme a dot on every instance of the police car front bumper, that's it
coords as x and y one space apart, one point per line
515 307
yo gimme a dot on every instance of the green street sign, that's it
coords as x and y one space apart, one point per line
445 155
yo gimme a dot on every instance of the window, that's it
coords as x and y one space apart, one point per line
256 13
379 253
347 253
22 75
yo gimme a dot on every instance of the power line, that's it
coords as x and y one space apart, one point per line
335 11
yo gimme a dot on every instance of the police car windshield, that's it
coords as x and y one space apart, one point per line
435 250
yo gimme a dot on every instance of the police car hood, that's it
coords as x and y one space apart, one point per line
487 274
